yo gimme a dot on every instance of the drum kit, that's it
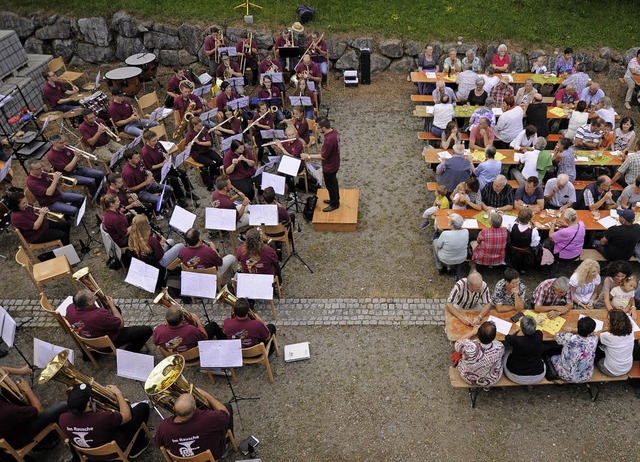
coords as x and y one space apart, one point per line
98 102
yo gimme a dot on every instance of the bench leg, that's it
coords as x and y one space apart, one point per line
594 390
473 395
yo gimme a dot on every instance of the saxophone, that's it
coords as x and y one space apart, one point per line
185 118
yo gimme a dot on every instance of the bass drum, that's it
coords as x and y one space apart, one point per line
126 79
147 63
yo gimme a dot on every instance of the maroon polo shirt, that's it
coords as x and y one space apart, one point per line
115 224
242 170
197 149
249 331
180 104
280 42
303 128
283 215
313 69
153 156
89 131
222 201
15 419
120 111
174 84
294 148
133 175
121 195
60 159
39 186
331 152
220 69
151 258
200 257
266 120
210 44
266 262
264 66
53 94
91 429
93 322
240 44
206 429
24 220
222 100
318 58
263 93
234 124
177 339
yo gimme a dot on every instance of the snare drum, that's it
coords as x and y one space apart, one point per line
147 62
98 103
126 79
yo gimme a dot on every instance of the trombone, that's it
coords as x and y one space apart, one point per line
65 179
85 154
110 132
57 217
243 59
274 109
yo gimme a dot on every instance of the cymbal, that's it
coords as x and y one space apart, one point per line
73 113
89 86
53 115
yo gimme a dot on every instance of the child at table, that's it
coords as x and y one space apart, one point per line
458 194
622 296
441 202
539 67
606 141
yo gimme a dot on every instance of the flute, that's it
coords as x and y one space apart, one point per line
271 143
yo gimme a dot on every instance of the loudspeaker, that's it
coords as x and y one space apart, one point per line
365 66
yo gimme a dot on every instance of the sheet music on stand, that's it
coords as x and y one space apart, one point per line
81 211
209 114
277 182
160 113
255 286
220 219
117 156
134 366
271 134
225 144
201 285
263 214
7 327
142 275
167 145
239 103
44 352
165 171
5 168
235 81
62 308
276 77
220 353
289 165
102 184
180 158
203 90
230 51
204 79
182 219
134 143
300 101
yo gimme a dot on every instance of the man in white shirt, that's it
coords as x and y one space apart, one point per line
466 81
559 193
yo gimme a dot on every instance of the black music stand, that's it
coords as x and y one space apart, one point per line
294 252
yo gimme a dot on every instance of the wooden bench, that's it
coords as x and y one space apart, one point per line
593 385
425 99
634 373
597 256
579 185
431 137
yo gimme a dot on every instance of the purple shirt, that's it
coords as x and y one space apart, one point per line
181 104
116 224
331 152
569 241
60 159
39 186
133 175
266 264
91 429
93 322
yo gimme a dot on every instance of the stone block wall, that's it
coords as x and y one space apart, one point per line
103 40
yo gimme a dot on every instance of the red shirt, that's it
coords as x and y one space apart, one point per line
222 201
89 131
222 100
177 339
242 170
204 137
266 261
39 186
153 156
220 69
294 148
121 195
331 152
250 331
133 175
492 244
181 104
120 111
313 69
496 61
24 220
317 57
283 215
174 83
93 322
303 128
200 257
116 224
53 94
263 93
206 429
92 429
280 42
14 422
60 159
264 66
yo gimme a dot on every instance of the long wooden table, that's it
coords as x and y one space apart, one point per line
518 78
542 218
430 156
455 329
460 112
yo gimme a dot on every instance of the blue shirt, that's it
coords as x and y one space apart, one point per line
447 91
521 195
568 164
487 171
562 67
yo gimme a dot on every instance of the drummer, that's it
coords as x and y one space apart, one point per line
173 87
54 93
212 43
125 117
94 133
62 159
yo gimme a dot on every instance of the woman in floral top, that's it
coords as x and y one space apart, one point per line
575 363
481 362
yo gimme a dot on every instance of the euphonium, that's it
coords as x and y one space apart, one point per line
225 296
60 370
228 72
9 390
166 300
166 383
84 276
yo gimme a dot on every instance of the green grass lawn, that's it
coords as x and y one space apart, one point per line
581 23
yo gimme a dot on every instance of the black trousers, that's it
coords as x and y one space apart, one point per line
212 162
331 182
245 186
214 331
57 230
135 336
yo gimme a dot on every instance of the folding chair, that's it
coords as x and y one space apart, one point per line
109 451
30 248
260 354
47 271
20 455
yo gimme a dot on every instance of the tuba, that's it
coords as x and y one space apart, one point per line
166 300
84 276
9 390
166 382
226 296
60 370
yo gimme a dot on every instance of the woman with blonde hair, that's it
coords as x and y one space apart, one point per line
584 284
145 246
257 257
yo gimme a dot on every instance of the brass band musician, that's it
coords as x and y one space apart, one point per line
225 96
186 102
178 335
249 50
319 55
249 331
173 86
96 134
229 69
212 45
125 117
257 257
33 223
66 161
44 187
309 70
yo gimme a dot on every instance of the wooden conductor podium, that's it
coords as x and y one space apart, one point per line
343 219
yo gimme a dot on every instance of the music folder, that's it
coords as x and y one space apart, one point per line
296 352
289 52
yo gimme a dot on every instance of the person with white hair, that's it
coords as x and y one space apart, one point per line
471 59
525 94
441 90
559 193
568 241
450 248
523 363
470 293
606 111
592 95
501 61
530 161
497 195
492 243
454 170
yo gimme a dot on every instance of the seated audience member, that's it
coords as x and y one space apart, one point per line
492 243
33 224
622 296
598 195
57 97
502 91
221 198
580 79
178 334
501 61
616 273
509 125
450 136
592 95
469 197
466 81
616 343
452 63
497 195
578 118
440 202
454 170
630 168
146 247
442 115
565 63
490 79
86 427
529 195
536 114
523 242
619 242
487 171
192 431
559 193
427 62
483 111
606 111
624 136
481 360
523 362
564 157
94 133
588 136
46 190
529 159
450 248
244 325
568 241
470 293
539 67
256 257
441 90
90 321
606 139
567 97
630 196
198 255
114 222
477 95
525 140
66 161
553 296
509 293
575 363
481 136
526 94
584 284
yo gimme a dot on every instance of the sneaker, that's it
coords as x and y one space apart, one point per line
627 105
424 225
138 452
241 237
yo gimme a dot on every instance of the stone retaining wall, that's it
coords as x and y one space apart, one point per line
101 40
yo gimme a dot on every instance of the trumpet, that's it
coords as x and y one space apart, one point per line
110 132
273 109
85 154
57 217
86 279
9 390
271 143
65 179
166 300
